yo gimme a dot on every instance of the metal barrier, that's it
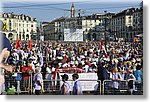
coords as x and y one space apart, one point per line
51 87
138 88
22 86
89 87
122 87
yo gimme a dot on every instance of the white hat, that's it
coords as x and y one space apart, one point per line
94 63
86 66
37 64
65 65
72 62
90 69
82 56
59 58
82 62
133 60
53 69
76 62
105 59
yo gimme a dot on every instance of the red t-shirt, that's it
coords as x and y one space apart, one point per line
25 72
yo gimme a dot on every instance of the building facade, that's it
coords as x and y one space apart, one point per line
127 24
138 22
54 30
16 26
93 26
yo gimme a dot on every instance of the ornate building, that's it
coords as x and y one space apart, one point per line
127 24
16 26
92 26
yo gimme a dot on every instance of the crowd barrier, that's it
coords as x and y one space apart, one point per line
18 86
122 87
90 87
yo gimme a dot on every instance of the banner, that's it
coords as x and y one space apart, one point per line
88 81
73 35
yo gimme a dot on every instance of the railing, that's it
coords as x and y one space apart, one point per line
89 87
18 86
122 87
53 87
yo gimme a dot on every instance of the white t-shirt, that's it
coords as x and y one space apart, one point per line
16 56
48 70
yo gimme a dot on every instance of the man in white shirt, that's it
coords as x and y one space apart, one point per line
115 77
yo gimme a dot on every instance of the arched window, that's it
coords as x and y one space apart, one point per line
27 36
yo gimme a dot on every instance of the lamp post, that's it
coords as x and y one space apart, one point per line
105 31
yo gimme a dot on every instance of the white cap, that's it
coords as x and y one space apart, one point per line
86 66
53 69
82 62
65 65
59 58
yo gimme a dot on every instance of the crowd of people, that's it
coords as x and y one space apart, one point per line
119 61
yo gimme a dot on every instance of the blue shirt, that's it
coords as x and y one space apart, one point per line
77 86
115 77
138 75
67 85
38 77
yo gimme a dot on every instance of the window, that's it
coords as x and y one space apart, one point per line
10 24
9 15
86 30
5 15
129 21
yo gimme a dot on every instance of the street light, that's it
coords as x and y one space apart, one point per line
105 30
